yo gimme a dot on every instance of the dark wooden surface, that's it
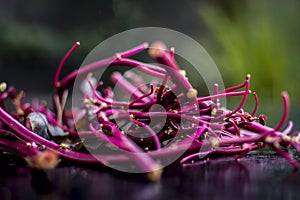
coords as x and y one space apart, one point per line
255 177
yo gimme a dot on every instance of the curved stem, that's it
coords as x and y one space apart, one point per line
152 133
244 97
220 95
142 96
285 111
62 62
256 104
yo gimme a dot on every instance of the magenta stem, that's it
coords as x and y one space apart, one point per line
132 51
233 88
244 97
62 62
286 109
142 96
256 104
221 95
152 133
126 86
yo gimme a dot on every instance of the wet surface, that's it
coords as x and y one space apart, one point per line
255 177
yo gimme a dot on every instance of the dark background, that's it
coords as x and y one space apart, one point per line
36 34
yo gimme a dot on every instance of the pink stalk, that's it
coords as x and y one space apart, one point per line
152 133
172 53
237 130
142 96
111 61
158 50
168 114
244 97
126 86
132 51
287 157
288 128
142 159
62 62
161 88
256 104
197 155
285 111
20 148
114 141
197 134
233 88
221 95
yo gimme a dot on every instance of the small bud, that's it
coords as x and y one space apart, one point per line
3 86
172 49
192 93
103 105
157 49
182 72
118 56
43 160
131 116
63 146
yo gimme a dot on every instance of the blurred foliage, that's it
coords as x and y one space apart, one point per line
29 48
21 39
35 34
24 40
256 37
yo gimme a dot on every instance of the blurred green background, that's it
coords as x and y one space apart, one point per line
260 37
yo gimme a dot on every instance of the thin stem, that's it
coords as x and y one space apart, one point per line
62 62
58 108
244 97
132 51
237 130
221 95
197 155
126 86
256 104
195 136
111 61
152 133
286 109
233 88
158 51
142 96
288 128
172 52
286 156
